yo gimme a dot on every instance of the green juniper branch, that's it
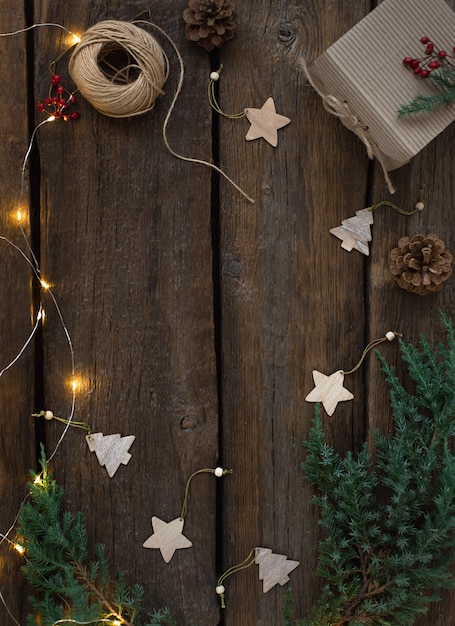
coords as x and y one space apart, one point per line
445 80
388 523
55 544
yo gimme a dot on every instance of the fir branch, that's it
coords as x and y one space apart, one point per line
389 541
80 572
55 543
445 80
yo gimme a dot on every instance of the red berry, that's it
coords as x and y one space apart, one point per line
425 73
48 101
407 61
61 102
60 89
414 63
417 70
66 117
429 48
40 107
55 80
425 40
72 99
442 54
434 65
75 115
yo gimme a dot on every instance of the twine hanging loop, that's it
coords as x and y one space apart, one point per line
119 91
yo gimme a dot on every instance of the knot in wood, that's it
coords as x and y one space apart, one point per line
286 32
233 268
189 422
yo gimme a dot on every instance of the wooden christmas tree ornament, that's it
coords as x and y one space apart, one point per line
111 450
273 570
168 537
355 232
330 390
265 122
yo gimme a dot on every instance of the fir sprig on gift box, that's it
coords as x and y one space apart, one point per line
54 542
388 516
437 66
445 80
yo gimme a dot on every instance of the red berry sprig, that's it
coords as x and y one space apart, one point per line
433 60
59 101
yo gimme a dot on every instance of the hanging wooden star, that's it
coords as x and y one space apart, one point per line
265 122
329 390
355 232
111 450
273 568
167 537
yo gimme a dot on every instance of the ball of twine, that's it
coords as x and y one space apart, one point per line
119 91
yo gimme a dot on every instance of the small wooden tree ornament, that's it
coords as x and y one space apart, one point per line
330 390
111 450
265 122
168 537
355 232
273 570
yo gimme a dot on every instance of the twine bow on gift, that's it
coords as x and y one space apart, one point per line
340 109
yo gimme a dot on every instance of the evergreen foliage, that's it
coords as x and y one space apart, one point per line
445 80
389 520
55 544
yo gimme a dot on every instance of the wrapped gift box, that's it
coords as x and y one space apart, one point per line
364 72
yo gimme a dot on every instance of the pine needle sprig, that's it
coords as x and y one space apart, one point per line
445 80
67 586
388 517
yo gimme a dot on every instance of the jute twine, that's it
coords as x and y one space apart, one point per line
131 90
340 109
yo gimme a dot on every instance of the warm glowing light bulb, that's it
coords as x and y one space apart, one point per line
117 623
51 118
19 548
76 39
38 480
19 214
44 284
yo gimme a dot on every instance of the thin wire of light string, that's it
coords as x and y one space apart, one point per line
24 30
3 601
28 340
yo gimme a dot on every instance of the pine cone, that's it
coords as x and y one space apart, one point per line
421 264
210 22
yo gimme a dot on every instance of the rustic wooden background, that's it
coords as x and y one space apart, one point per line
196 317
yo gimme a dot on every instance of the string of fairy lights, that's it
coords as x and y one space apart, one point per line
28 256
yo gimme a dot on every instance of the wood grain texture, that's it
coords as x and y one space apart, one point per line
197 317
17 453
392 308
126 244
287 293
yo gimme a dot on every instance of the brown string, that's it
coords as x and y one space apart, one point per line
340 109
149 68
143 78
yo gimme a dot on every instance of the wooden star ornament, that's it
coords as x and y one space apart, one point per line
329 390
167 537
265 122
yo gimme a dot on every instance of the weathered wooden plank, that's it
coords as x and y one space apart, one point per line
392 307
292 298
126 244
17 317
